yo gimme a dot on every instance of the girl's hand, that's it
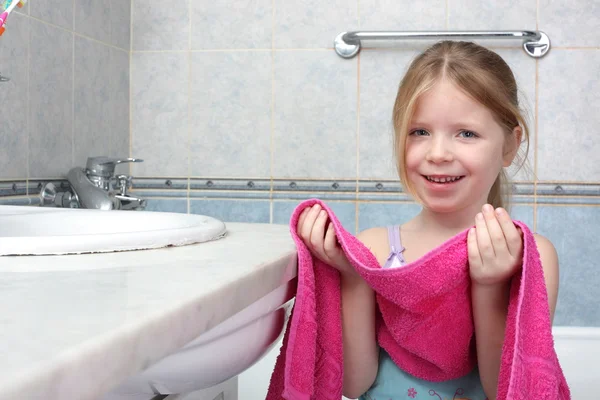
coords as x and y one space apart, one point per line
495 247
317 233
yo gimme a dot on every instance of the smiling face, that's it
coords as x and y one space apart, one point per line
455 150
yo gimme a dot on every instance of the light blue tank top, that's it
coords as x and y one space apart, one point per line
393 383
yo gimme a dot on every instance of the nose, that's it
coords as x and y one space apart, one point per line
440 150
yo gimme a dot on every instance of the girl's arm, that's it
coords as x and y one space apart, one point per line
361 351
490 307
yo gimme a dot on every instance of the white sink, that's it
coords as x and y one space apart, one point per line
45 231
215 356
218 355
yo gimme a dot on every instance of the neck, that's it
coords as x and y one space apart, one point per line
447 223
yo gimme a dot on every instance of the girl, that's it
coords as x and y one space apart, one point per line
457 127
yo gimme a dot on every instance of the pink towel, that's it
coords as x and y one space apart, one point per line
425 323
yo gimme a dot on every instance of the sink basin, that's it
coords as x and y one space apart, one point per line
47 231
217 355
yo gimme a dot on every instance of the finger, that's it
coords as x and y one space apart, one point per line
495 231
309 221
512 233
330 244
484 242
301 220
473 251
317 236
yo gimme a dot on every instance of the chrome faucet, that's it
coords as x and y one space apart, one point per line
95 187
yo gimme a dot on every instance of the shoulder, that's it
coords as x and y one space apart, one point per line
376 240
549 259
548 254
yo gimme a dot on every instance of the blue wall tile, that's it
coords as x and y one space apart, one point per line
118 109
51 101
167 205
383 214
91 135
159 127
234 141
312 23
233 210
314 117
344 211
14 130
55 12
523 213
574 231
240 24
92 18
159 27
120 23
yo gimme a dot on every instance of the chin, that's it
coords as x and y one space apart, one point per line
442 206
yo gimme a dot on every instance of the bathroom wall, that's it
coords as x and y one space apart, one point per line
68 97
242 111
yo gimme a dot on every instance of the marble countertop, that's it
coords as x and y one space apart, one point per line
91 320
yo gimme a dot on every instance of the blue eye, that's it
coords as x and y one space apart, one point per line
468 134
419 132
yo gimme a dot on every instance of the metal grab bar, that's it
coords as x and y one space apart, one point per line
535 43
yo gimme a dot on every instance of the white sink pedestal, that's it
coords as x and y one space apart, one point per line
225 391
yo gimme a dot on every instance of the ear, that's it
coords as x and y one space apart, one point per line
513 142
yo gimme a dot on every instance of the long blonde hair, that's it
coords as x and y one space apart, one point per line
479 72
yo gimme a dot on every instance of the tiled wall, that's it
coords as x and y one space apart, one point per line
247 109
242 110
68 97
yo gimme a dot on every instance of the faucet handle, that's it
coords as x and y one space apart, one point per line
105 166
124 183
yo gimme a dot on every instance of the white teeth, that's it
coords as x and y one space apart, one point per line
443 180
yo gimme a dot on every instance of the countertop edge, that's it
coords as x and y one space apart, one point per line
133 347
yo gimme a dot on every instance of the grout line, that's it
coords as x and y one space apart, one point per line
537 15
110 22
62 28
72 31
28 107
364 48
232 50
130 84
272 127
357 137
189 106
111 80
535 150
73 98
297 178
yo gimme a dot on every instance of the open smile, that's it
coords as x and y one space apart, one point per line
443 179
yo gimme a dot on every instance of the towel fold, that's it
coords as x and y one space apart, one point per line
425 322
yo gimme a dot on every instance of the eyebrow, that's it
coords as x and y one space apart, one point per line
456 125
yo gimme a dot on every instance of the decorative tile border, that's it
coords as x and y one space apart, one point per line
13 191
19 201
567 189
34 187
250 185
15 188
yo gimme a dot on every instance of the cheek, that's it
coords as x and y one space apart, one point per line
412 157
492 165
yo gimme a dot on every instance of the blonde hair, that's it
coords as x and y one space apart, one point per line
479 72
